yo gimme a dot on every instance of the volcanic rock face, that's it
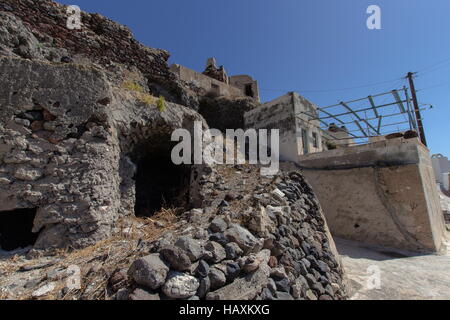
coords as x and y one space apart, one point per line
67 138
80 131
85 141
35 29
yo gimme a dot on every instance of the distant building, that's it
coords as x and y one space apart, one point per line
215 80
441 167
294 116
300 130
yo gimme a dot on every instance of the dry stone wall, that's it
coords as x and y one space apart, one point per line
279 250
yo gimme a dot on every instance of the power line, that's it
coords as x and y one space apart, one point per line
333 90
432 67
425 70
435 86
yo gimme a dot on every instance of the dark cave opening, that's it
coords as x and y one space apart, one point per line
159 182
15 229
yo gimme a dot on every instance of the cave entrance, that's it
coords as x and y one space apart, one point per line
15 229
159 182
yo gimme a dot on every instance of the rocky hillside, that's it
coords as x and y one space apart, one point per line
259 238
86 180
35 29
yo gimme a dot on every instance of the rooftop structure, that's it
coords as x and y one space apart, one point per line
215 81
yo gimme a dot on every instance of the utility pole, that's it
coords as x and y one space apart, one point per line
416 108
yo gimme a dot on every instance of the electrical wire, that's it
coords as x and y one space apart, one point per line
333 90
433 68
435 86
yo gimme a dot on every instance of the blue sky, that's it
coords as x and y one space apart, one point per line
316 48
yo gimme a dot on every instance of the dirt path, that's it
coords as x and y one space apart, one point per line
402 276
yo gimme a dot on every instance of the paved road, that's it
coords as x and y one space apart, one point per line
402 276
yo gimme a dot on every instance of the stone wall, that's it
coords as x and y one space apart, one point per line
211 86
280 250
224 113
247 85
382 194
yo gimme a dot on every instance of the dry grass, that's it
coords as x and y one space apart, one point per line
140 93
161 104
133 86
97 262
119 252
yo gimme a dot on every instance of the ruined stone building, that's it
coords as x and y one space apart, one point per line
215 81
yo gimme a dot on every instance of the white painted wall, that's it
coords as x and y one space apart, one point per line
446 181
441 165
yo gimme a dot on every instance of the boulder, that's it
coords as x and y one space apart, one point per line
260 223
248 287
191 247
205 286
217 278
149 271
283 296
176 257
202 269
251 263
218 225
215 253
233 251
244 239
310 295
180 286
143 295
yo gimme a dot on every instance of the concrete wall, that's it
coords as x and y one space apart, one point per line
290 114
381 194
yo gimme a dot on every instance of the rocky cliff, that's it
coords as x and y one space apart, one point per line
86 119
